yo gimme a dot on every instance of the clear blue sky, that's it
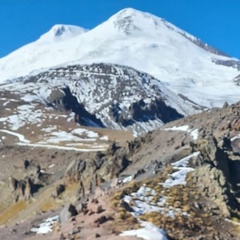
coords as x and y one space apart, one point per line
217 22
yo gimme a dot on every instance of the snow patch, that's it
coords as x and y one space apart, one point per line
104 138
95 149
184 128
179 177
127 179
235 138
18 135
46 226
148 232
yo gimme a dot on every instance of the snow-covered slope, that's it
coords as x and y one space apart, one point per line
99 95
60 33
142 41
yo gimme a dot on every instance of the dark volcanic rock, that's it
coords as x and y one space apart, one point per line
60 189
143 112
63 100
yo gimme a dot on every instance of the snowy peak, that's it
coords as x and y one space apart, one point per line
130 20
128 12
61 32
139 40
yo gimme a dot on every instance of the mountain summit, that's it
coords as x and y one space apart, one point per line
139 40
61 32
130 21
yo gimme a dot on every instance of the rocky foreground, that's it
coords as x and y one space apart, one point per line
180 182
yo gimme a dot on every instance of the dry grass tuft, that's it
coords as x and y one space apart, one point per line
124 221
12 211
154 217
118 195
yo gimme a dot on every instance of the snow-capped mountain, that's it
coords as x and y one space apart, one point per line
139 40
99 95
59 33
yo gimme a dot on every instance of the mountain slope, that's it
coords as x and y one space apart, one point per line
183 178
144 42
99 95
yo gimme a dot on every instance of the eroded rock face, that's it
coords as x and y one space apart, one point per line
142 112
212 187
33 179
23 189
91 173
216 176
63 100
75 169
212 190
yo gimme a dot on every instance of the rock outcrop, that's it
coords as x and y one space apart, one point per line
67 212
23 189
91 173
216 177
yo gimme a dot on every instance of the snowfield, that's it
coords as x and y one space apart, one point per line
140 40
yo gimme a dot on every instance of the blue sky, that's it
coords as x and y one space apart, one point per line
216 22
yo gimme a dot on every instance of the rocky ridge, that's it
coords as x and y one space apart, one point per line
100 95
203 205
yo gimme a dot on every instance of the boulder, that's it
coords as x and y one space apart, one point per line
60 189
67 212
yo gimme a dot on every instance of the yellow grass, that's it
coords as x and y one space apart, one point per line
70 188
12 211
124 221
153 217
53 204
48 205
